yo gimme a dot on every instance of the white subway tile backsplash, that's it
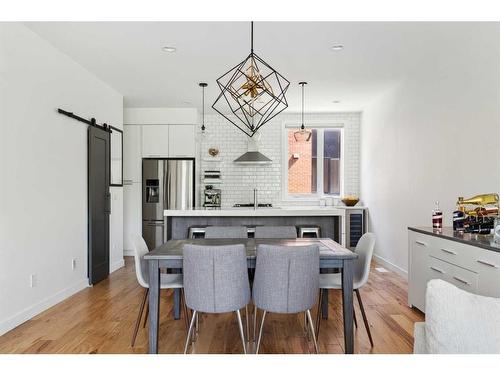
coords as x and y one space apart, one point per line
239 181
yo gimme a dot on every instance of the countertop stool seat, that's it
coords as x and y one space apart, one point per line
286 282
305 231
196 231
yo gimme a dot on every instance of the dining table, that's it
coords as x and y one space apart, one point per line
332 256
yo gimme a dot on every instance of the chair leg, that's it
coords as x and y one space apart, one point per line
355 320
311 326
247 320
240 324
260 331
254 323
139 317
364 316
318 315
193 318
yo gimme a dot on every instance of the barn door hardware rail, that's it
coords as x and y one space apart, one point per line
91 122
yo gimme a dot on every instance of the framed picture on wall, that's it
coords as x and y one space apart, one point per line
116 158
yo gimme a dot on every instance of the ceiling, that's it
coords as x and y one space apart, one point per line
129 57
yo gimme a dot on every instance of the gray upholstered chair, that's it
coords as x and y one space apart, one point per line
327 281
287 232
226 232
215 281
286 282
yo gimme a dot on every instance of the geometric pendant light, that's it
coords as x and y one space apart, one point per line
252 93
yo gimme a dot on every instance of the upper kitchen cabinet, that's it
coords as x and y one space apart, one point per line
155 141
132 153
181 141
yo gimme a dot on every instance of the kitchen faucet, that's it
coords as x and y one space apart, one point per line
255 201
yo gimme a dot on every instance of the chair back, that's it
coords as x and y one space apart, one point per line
141 266
287 232
364 249
215 278
226 232
286 278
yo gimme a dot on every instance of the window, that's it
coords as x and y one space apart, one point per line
314 167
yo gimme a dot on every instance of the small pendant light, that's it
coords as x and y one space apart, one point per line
302 135
203 85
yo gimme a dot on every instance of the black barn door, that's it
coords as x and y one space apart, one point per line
98 204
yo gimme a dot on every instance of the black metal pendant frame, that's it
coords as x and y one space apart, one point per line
250 115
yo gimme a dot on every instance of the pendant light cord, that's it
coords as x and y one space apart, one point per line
302 126
203 85
251 36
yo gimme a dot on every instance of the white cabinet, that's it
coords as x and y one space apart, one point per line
418 265
132 153
471 268
132 213
155 141
182 141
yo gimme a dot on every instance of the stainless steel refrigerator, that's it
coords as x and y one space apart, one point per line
166 184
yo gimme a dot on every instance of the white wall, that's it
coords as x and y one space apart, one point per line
43 173
240 180
433 137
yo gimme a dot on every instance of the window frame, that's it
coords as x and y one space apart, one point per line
320 126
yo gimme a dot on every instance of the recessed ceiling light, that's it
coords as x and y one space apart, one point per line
169 49
337 47
336 102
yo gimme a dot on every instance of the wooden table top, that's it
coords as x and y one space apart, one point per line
328 248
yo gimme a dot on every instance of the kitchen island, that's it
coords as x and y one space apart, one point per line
335 221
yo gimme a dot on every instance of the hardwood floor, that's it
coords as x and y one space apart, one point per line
101 320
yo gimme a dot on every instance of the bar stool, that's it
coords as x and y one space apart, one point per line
196 231
309 231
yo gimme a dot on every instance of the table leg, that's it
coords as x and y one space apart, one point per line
177 304
347 303
154 304
324 304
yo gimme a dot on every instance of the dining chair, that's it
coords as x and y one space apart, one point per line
286 282
167 281
226 232
267 232
216 281
327 281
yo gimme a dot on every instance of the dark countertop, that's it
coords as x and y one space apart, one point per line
484 241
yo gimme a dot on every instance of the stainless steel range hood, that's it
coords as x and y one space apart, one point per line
253 156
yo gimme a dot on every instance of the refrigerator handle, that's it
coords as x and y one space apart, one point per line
107 205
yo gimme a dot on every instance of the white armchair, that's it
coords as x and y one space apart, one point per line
457 322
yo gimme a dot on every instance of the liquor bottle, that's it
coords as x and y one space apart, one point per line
459 218
437 217
480 200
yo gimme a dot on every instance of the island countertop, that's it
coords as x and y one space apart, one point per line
484 241
265 211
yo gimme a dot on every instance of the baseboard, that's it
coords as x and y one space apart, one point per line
128 253
116 265
32 311
391 266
